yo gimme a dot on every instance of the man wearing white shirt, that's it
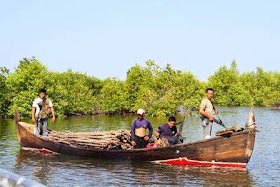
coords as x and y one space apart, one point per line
41 108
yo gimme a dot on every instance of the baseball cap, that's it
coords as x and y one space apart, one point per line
140 111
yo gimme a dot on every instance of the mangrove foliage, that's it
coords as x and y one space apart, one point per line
159 90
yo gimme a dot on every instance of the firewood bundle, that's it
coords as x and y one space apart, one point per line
110 140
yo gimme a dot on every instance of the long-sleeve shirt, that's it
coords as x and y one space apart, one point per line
141 123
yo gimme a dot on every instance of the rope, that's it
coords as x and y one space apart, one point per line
251 124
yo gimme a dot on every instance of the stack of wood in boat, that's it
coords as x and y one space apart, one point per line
93 140
229 131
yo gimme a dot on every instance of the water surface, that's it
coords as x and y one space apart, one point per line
62 170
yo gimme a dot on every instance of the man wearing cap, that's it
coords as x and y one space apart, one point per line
138 130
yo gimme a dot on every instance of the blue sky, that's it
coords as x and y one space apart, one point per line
105 38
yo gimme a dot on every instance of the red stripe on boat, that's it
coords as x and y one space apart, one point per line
185 161
43 151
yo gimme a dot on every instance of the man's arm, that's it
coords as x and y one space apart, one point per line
132 133
33 114
203 113
34 107
53 114
150 129
216 111
52 110
176 131
158 131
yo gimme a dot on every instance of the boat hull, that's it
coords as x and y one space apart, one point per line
236 148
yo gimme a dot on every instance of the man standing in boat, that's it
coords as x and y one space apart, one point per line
41 108
138 130
168 131
207 111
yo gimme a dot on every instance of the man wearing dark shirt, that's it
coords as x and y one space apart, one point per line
138 130
168 131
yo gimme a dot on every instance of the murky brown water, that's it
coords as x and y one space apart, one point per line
63 170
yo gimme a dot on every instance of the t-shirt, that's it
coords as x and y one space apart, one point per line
37 103
207 105
165 131
141 123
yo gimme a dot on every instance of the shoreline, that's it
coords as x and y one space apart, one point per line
190 112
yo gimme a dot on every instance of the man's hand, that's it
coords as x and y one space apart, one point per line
216 112
53 119
133 143
156 133
33 119
211 119
146 138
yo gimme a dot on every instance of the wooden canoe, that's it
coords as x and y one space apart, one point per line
234 150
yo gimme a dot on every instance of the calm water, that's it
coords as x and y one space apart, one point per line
62 170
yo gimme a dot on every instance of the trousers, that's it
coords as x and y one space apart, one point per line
171 140
207 127
42 127
140 142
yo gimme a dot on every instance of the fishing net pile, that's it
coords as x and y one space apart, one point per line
108 140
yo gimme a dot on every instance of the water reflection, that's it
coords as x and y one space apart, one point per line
220 176
5 130
35 165
46 169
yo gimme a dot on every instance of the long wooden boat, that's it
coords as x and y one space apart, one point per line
233 150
